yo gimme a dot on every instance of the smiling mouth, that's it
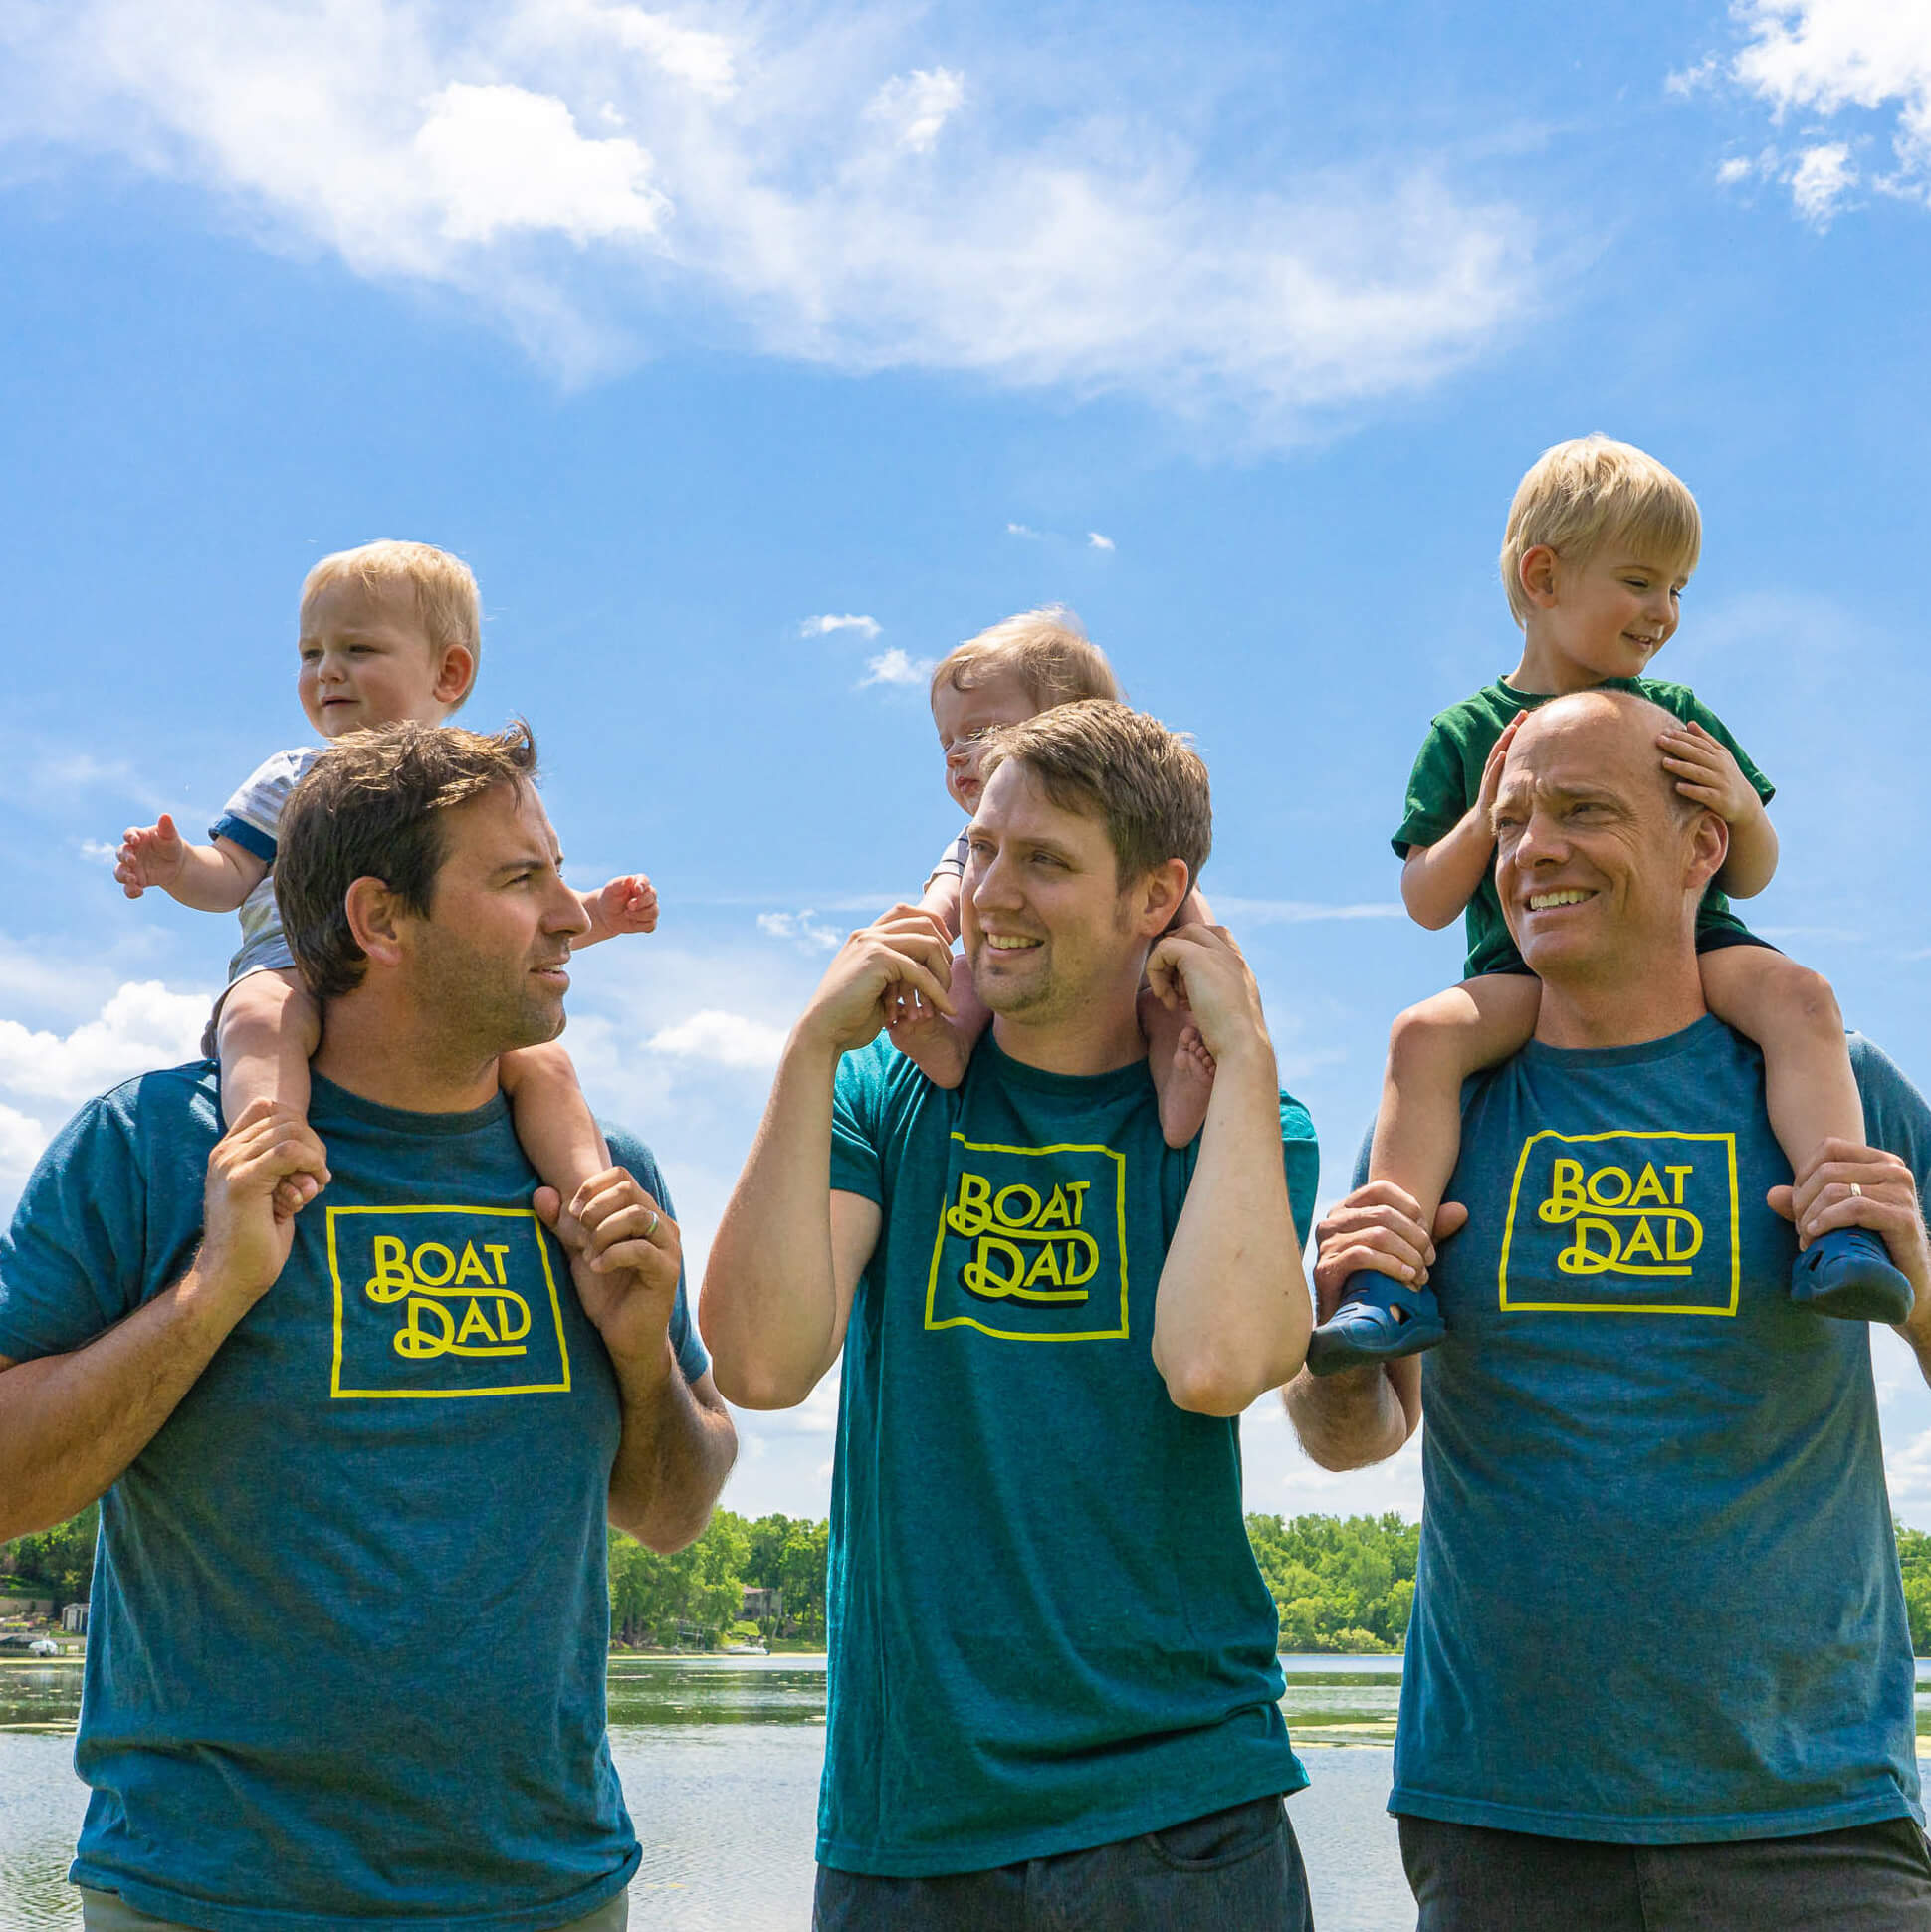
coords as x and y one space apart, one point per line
1541 902
1010 942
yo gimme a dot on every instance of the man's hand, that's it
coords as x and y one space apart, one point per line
875 976
149 855
625 1257
624 905
1844 1184
1704 770
1378 1226
262 1173
1498 753
1201 969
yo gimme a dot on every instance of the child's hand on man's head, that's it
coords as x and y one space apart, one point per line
1492 769
149 855
626 905
1704 770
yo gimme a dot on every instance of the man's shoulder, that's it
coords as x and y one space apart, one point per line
170 1103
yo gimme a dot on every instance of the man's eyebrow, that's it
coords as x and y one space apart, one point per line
525 863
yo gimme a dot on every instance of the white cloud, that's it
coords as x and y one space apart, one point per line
804 928
1021 530
867 627
752 206
144 1026
895 667
21 1141
1298 911
1828 58
1098 541
918 104
727 1039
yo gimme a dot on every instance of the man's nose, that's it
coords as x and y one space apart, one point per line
1540 841
565 916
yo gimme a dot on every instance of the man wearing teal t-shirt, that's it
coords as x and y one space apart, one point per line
1659 1673
1053 1682
356 1417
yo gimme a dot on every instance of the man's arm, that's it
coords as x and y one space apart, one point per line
71 1423
1230 1316
789 1253
1363 1415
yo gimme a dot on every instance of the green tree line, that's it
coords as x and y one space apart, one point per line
1341 1583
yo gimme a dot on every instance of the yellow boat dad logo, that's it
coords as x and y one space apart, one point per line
1624 1223
444 1302
1031 1243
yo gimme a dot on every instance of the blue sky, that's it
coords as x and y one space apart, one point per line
688 329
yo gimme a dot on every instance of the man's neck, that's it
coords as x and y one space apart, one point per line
1629 1010
1099 1036
395 1055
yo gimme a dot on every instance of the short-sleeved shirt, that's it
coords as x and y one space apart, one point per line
953 863
1658 1599
252 818
351 1609
1047 1628
1447 779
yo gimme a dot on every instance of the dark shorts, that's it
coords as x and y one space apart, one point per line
1869 1878
1237 1870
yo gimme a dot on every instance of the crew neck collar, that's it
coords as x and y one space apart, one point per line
1092 1086
1637 1053
403 1120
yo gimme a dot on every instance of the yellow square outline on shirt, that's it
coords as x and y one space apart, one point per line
336 1389
1729 1141
1021 1335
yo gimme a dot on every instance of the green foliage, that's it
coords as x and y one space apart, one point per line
791 1553
1914 1559
694 1593
1341 1583
57 1563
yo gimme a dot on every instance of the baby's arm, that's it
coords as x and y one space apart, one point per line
627 904
939 1044
941 898
1704 770
211 878
552 1119
1438 880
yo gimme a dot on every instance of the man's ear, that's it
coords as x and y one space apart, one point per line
1158 896
375 917
1709 847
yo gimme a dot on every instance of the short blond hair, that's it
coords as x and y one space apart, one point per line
1145 783
447 603
1047 650
1581 494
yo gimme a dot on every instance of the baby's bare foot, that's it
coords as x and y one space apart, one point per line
934 1046
1186 1089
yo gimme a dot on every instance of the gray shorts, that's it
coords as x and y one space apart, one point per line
1868 1878
108 1912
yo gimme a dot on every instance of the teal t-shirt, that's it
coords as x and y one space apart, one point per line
347 1634
1447 779
1658 1599
1047 1631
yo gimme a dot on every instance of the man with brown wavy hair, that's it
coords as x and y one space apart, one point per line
356 1416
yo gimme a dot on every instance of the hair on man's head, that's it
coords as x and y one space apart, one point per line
1145 783
1593 491
371 808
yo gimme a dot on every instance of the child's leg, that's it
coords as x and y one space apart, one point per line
941 1045
267 1031
552 1119
1811 1096
1432 1048
1181 1067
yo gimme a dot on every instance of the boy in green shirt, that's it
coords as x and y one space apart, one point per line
1601 541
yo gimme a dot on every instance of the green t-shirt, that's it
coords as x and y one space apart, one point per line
1447 779
1047 1629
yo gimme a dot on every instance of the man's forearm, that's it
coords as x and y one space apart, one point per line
1359 1417
1232 1315
671 1459
770 1303
70 1425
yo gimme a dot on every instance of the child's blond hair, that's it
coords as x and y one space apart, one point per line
1583 493
1046 650
447 600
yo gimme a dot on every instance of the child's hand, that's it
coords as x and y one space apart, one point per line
1705 772
1492 771
149 855
626 905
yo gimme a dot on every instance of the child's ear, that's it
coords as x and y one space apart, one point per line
455 674
1538 573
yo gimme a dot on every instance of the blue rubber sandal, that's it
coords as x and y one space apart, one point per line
1379 1320
1847 1274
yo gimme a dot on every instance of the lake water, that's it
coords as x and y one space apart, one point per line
720 1761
